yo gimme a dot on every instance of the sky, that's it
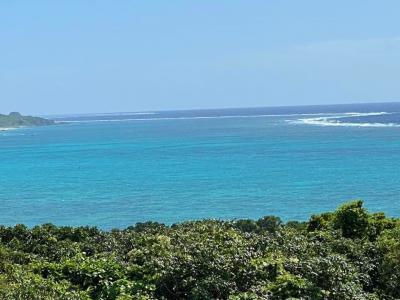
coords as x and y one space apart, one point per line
83 56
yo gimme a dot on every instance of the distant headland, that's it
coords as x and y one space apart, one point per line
16 120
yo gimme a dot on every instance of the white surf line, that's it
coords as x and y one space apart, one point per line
7 128
191 118
330 120
57 116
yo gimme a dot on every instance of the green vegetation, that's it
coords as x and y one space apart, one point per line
346 254
14 120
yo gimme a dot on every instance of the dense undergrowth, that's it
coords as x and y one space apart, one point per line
347 254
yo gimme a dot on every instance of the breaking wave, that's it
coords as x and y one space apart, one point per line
337 120
66 120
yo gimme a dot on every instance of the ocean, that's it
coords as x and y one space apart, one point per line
113 170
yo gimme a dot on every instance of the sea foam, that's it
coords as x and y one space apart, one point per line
333 120
189 118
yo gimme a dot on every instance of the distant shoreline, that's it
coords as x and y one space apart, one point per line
15 120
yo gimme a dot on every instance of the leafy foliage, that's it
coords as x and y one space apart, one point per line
346 254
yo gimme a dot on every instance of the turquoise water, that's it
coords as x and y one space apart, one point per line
118 169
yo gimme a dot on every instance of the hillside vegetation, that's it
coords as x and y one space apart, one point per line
15 120
346 254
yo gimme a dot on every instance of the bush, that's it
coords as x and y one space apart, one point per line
346 254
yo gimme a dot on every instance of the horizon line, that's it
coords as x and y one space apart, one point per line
216 108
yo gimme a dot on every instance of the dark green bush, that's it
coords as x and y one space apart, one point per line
347 254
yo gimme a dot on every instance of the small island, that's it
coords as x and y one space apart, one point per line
16 120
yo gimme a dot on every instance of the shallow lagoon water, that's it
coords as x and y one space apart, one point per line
113 170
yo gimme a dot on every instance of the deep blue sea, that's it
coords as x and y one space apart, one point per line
113 170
